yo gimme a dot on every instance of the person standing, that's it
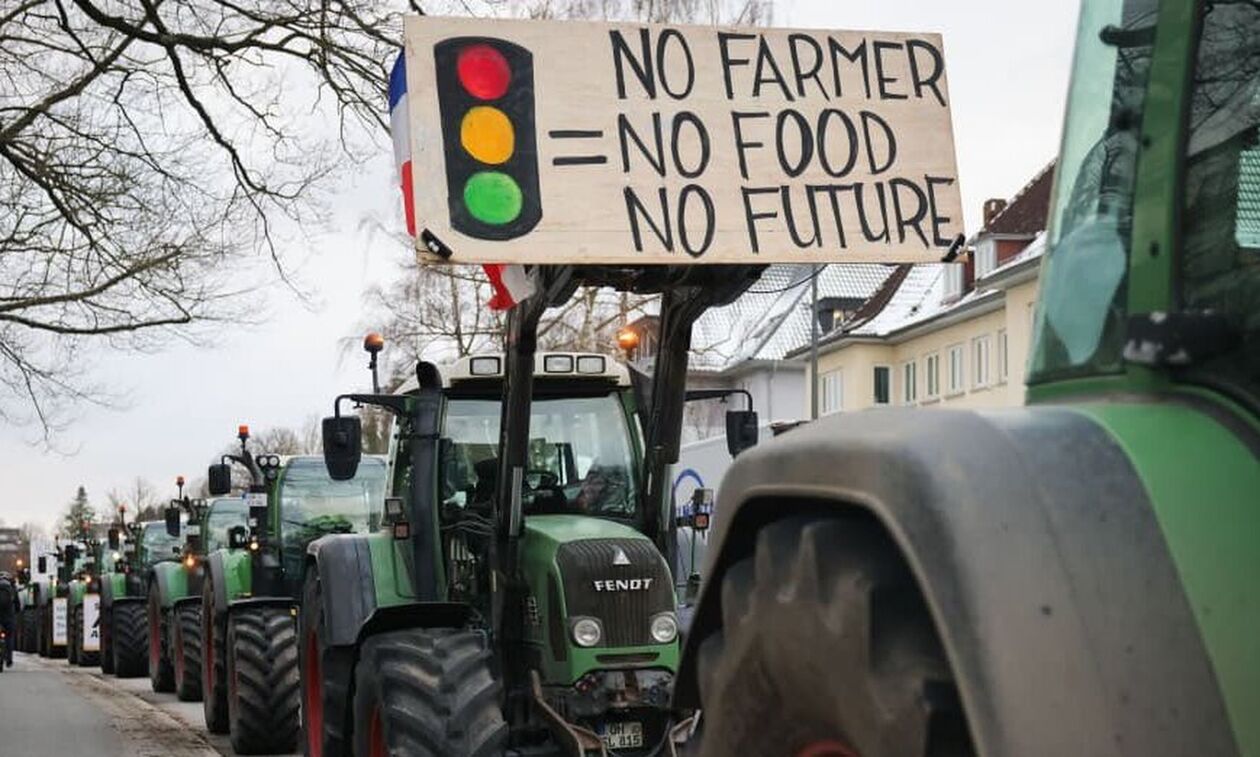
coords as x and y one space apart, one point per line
9 607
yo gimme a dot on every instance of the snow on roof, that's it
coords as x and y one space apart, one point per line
773 317
921 297
1034 250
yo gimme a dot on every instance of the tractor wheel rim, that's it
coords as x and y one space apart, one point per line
376 735
314 712
826 748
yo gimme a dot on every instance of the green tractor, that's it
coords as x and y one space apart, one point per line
83 605
28 617
166 576
517 600
180 583
1078 576
122 605
126 629
252 590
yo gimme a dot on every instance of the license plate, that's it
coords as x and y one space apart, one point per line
622 734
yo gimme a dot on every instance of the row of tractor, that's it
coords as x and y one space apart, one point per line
325 601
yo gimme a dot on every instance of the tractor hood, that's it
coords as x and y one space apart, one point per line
558 529
585 567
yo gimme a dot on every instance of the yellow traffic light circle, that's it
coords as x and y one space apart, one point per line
487 135
493 197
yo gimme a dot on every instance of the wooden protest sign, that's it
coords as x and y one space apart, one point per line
591 143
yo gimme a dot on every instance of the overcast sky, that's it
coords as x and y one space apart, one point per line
1007 67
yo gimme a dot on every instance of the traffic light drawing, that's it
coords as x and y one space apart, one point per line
486 95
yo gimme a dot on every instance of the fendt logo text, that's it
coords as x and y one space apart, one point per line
624 584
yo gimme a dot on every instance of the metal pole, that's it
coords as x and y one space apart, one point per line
813 343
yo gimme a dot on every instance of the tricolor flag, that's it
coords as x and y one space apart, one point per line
511 283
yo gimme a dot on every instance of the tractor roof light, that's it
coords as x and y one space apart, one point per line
627 339
242 432
373 342
587 632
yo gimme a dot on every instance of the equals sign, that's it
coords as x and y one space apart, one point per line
577 160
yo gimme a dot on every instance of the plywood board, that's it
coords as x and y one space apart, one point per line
591 143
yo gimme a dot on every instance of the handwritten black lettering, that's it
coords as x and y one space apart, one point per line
710 219
728 61
884 81
936 69
701 138
626 133
641 66
741 144
635 209
663 70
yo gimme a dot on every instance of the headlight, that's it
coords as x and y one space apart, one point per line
587 632
665 628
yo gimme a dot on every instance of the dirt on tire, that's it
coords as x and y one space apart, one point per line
263 685
427 692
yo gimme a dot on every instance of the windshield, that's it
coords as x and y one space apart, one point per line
157 544
1080 317
1220 260
580 458
223 514
312 504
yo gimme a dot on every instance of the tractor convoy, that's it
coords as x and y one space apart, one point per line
1076 576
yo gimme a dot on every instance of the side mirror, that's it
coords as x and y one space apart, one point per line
219 479
171 514
343 446
42 564
741 430
238 537
112 538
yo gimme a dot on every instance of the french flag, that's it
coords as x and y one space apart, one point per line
511 283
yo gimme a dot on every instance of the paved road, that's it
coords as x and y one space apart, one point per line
50 708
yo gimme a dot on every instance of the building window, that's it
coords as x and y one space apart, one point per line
883 385
909 383
1003 369
830 392
956 358
986 257
933 377
981 347
953 280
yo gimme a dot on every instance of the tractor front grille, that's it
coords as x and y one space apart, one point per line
624 597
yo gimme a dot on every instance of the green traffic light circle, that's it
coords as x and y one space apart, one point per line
493 197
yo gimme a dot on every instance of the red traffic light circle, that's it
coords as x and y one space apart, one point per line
483 71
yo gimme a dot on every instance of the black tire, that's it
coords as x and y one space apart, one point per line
214 704
263 692
72 635
827 647
427 693
130 640
44 633
161 672
107 641
186 649
326 675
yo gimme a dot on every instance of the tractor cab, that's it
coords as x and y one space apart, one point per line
155 545
1153 282
310 504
